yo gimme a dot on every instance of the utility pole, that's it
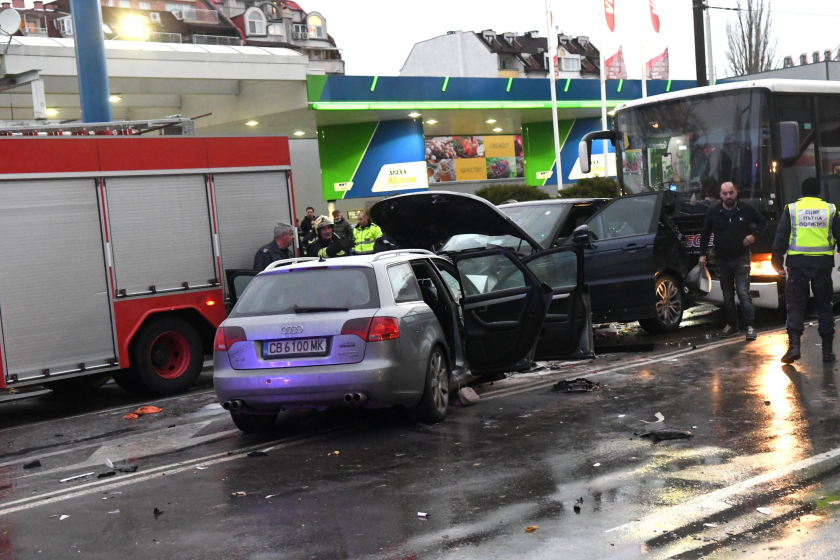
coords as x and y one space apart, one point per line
699 43
90 60
709 53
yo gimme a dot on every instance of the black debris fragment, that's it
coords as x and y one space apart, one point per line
126 468
107 474
157 513
32 464
257 454
579 385
577 505
667 433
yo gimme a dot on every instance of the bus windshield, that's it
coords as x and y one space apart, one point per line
693 145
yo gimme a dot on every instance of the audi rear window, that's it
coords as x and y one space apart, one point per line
281 293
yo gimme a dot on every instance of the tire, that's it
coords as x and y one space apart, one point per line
669 306
78 385
167 357
250 423
434 403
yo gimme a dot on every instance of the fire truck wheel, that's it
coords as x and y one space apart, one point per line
167 356
77 385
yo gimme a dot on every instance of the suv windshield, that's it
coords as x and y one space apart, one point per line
692 145
536 219
309 288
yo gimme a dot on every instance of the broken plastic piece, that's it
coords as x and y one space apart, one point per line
32 464
141 411
422 515
712 525
236 494
597 465
468 396
106 474
579 385
332 453
531 528
257 454
764 510
63 517
667 433
115 511
75 477
659 418
157 513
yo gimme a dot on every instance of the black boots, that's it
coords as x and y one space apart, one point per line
828 349
793 349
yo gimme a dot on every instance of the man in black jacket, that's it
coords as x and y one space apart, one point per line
328 245
279 249
735 226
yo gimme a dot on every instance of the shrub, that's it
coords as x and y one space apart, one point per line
496 194
595 187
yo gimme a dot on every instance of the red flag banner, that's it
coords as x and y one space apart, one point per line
654 17
658 67
609 13
615 67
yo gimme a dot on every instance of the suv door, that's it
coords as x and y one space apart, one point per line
619 265
504 305
567 330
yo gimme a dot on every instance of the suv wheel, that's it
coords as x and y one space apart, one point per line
254 422
669 306
434 403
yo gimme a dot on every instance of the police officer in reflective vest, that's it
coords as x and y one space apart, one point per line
808 232
365 234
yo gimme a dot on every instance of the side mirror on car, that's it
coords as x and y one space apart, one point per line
580 236
585 147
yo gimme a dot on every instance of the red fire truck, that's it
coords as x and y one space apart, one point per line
113 251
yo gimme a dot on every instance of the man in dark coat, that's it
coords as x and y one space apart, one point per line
279 249
327 244
341 226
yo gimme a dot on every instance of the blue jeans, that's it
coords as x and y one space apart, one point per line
734 276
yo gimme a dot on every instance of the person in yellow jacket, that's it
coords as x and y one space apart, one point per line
365 234
808 232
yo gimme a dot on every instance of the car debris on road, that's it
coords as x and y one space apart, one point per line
579 385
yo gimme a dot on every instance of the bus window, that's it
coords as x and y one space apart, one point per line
691 146
829 113
799 108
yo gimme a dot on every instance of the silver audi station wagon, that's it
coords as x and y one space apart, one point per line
399 328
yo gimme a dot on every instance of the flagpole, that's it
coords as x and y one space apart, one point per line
552 52
604 101
644 70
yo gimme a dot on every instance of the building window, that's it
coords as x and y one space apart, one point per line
125 3
502 65
276 29
570 64
172 7
145 5
256 22
316 27
300 30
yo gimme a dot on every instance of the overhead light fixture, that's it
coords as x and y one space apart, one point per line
490 121
115 98
414 115
51 112
497 129
431 121
134 27
252 123
299 133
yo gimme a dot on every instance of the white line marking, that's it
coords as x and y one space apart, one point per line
108 484
716 502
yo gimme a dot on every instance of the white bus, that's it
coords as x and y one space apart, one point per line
765 136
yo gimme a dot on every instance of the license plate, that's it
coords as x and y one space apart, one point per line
295 347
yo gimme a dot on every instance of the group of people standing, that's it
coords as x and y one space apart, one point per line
322 237
803 253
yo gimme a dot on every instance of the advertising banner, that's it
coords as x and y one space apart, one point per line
614 67
658 67
473 158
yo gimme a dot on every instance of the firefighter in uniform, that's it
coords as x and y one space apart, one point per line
808 231
327 244
279 249
365 235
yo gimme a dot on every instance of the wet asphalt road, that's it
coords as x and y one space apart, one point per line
763 436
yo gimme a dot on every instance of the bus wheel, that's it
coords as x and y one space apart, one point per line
669 306
78 385
167 356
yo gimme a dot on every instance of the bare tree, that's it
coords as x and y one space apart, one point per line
749 48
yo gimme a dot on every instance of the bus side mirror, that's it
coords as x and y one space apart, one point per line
585 148
787 140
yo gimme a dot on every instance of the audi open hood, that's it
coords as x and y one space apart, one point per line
420 220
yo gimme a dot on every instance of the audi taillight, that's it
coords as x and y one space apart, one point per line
227 336
359 327
383 328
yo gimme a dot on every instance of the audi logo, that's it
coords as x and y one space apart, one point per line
294 329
